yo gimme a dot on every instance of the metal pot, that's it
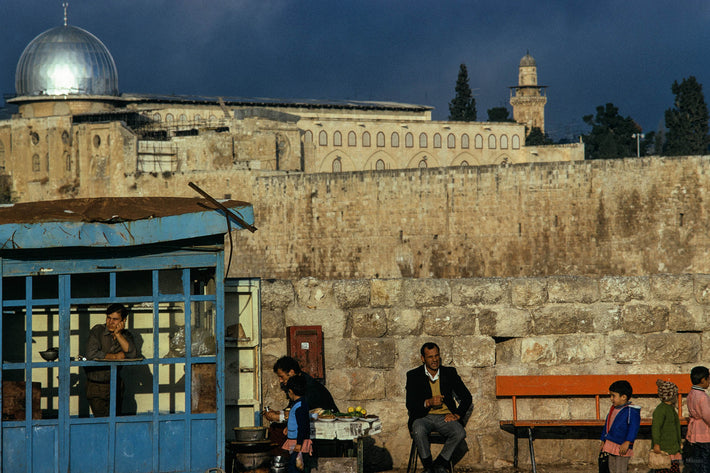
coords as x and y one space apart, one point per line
252 461
279 460
249 434
279 469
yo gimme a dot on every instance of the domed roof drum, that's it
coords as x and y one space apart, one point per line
527 61
66 60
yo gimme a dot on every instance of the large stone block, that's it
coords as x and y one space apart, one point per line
340 353
378 353
509 322
672 287
644 318
626 348
385 292
701 288
474 351
579 349
509 352
538 350
528 292
368 323
332 321
273 323
572 289
349 294
705 346
607 317
276 295
688 317
448 321
486 291
562 318
426 292
403 321
315 293
624 289
673 347
359 384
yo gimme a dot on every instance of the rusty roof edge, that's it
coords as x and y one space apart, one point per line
58 234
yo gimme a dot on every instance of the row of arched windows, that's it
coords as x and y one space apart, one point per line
169 118
380 164
493 142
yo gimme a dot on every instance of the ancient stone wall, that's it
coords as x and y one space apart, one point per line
612 217
373 329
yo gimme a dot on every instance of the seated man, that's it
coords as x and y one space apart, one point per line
432 391
109 341
317 395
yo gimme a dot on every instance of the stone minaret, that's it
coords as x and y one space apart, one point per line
528 98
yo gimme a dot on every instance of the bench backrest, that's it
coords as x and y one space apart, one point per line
596 385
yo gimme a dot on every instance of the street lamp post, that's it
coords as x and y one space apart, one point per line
638 136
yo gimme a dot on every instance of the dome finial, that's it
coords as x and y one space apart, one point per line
65 5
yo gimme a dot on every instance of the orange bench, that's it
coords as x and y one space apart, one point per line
574 386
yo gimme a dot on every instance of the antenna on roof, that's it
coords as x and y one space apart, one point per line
65 5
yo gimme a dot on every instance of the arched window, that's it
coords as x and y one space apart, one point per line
479 142
409 140
67 161
2 155
35 162
451 141
504 142
380 140
366 139
323 138
423 140
337 139
394 140
464 141
308 136
213 118
183 117
516 142
198 118
422 163
337 165
156 117
491 141
169 117
464 163
352 139
437 140
380 165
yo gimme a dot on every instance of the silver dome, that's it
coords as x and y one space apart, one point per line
66 60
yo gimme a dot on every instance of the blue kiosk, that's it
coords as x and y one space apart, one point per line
62 263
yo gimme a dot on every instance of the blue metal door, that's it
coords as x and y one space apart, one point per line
172 411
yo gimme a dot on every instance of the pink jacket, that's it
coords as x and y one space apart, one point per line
699 422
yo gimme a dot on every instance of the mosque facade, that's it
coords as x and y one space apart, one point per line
75 135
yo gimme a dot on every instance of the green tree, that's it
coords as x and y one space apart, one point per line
499 114
687 121
611 134
463 106
536 138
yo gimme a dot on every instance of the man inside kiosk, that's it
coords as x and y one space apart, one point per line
109 341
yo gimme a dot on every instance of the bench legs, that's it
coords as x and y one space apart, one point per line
531 439
532 449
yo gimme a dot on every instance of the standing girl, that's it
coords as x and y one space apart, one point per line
665 429
622 426
298 428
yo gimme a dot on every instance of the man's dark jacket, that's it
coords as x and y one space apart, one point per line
452 388
317 395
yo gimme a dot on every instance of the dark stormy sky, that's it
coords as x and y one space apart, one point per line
627 52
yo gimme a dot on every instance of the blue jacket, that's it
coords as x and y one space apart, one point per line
625 426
